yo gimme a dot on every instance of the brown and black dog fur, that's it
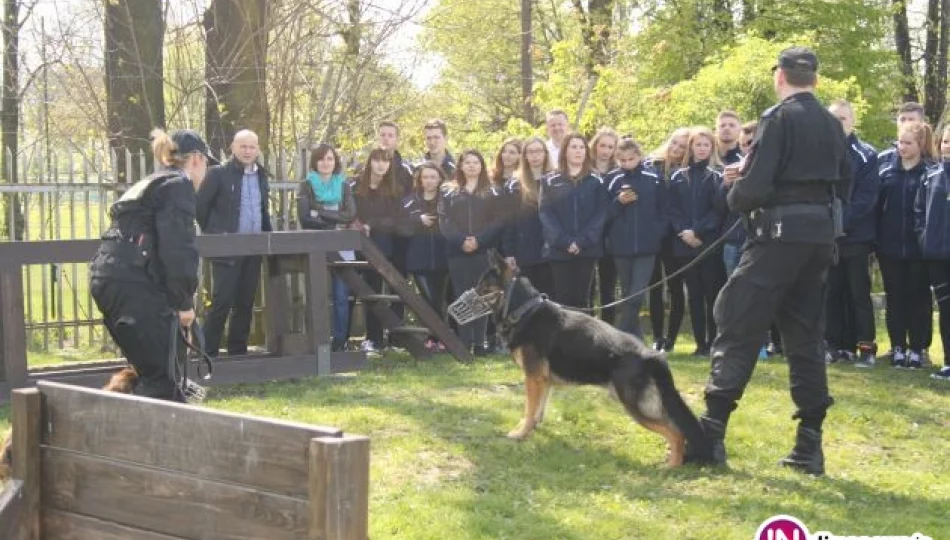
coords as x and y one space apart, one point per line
555 345
123 381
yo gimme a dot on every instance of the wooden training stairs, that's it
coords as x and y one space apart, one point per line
413 338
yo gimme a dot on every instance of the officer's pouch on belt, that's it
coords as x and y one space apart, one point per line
837 216
758 223
117 253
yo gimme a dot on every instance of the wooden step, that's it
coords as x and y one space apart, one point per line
348 264
394 298
409 330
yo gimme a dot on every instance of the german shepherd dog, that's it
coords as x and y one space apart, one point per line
123 381
556 345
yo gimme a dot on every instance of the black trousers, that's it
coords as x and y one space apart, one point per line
848 310
703 282
465 271
140 322
909 313
374 327
234 286
667 264
940 279
432 287
540 277
606 288
774 281
572 281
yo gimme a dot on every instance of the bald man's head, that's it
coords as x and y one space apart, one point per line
245 147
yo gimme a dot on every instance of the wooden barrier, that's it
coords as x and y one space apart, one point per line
114 466
288 354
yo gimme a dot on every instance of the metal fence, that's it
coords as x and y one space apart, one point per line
66 196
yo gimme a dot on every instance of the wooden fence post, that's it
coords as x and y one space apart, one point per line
27 423
13 368
339 488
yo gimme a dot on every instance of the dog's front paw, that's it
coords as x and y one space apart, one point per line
522 431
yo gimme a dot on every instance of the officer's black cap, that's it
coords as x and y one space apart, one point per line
189 141
800 59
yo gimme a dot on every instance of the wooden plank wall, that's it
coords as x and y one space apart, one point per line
121 466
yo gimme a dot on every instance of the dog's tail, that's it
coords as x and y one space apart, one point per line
677 409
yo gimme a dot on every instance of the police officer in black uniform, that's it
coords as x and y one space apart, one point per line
144 275
786 191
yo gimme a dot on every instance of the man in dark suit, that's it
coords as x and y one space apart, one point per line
233 199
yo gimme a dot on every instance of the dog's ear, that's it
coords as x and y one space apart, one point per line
495 259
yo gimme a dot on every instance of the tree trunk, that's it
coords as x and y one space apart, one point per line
940 99
748 12
10 113
135 101
931 83
722 16
595 29
527 73
235 60
902 43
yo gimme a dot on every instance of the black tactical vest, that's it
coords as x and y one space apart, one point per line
126 252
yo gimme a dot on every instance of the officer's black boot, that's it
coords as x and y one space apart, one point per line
807 455
713 449
715 431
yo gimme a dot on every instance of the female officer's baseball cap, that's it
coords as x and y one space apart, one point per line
188 141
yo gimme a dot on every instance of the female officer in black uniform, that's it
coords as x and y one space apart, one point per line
144 275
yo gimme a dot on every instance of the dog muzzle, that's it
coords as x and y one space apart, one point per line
471 307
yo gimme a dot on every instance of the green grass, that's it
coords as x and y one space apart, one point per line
442 468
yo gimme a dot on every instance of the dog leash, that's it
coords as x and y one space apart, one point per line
190 390
696 260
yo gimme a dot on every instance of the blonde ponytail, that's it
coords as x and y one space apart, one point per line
164 149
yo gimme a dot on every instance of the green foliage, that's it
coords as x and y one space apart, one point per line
851 38
480 44
677 39
739 79
679 64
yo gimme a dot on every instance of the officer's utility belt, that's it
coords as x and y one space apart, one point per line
116 235
768 222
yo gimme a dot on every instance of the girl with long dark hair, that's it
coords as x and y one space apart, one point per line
468 220
425 255
378 211
573 206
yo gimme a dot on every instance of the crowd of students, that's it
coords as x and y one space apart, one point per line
579 217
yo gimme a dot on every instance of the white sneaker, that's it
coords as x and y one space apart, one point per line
898 360
913 360
943 374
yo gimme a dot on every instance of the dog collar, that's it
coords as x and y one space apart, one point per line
525 309
513 318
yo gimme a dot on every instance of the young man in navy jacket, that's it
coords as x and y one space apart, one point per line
848 310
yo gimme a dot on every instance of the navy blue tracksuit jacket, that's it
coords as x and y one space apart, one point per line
636 228
573 212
